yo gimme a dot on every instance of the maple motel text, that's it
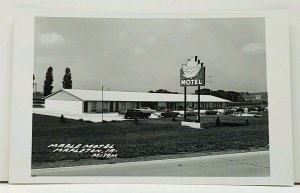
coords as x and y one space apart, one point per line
91 101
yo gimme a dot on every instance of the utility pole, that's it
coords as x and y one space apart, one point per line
210 81
102 103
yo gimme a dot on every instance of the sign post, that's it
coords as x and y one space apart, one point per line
184 106
192 74
199 104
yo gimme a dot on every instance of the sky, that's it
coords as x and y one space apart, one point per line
143 54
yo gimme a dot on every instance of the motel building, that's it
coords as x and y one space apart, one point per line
90 101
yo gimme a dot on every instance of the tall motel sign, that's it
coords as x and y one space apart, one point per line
192 74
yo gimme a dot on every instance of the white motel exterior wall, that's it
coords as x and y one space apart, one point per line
113 106
96 106
110 106
66 102
64 106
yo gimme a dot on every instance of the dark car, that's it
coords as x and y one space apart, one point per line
132 113
169 113
191 113
229 112
211 112
122 111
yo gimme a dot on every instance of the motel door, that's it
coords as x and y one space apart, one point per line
111 106
172 106
85 107
117 107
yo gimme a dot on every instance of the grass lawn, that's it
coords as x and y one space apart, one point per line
151 137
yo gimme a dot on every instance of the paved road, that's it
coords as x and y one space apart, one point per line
234 165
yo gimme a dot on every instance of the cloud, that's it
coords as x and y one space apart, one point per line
138 51
150 40
49 39
123 34
254 48
43 59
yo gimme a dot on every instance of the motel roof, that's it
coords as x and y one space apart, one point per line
96 95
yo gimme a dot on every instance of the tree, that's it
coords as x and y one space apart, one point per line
234 96
33 81
67 80
220 93
229 95
163 91
204 91
48 82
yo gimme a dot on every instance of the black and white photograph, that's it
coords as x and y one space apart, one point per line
150 97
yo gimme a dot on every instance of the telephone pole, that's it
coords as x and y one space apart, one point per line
102 102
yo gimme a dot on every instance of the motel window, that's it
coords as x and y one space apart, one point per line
105 106
93 106
123 105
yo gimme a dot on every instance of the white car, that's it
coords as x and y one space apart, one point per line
221 111
146 110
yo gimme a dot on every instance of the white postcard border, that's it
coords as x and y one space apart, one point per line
278 85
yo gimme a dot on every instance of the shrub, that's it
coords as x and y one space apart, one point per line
246 122
173 117
104 121
62 119
217 122
135 120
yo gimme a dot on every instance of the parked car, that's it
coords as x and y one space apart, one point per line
169 113
122 111
202 111
189 109
221 111
146 110
210 112
229 112
158 113
189 112
133 113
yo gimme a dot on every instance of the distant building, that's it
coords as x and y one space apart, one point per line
256 97
78 101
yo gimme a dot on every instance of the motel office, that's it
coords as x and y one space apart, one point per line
89 101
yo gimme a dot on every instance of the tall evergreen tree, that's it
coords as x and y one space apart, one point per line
67 80
48 82
33 81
